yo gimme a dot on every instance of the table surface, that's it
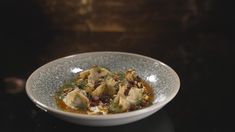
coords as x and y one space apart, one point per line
195 42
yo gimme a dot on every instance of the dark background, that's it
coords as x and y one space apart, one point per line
194 37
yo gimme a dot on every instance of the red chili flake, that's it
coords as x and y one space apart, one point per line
144 104
132 107
94 103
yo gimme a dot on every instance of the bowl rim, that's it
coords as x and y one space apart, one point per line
108 116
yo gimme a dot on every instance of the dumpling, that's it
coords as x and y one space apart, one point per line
76 99
84 74
99 90
124 102
110 82
103 72
95 74
121 91
103 89
134 95
93 77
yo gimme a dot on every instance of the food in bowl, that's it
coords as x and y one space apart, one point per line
99 91
44 82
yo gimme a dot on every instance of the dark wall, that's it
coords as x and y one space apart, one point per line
28 28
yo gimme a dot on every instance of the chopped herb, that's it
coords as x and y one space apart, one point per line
114 108
70 85
121 75
82 84
116 86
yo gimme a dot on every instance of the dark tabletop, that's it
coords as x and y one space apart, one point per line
195 38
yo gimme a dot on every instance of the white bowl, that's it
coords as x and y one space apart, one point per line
45 81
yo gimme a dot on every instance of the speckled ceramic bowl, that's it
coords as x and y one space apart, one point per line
45 81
